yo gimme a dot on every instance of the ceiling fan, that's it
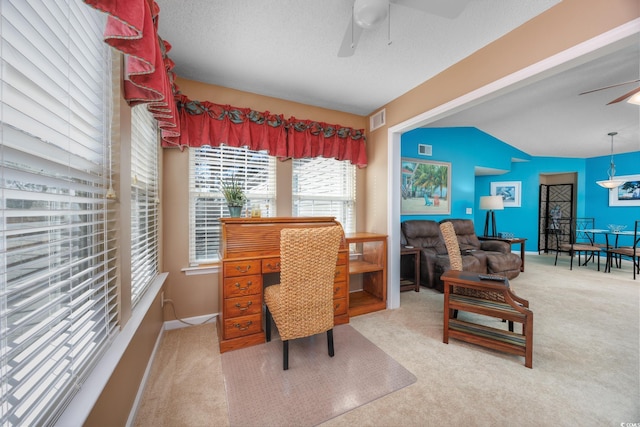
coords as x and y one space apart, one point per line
367 14
620 98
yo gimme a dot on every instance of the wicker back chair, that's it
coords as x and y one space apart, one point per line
302 304
453 248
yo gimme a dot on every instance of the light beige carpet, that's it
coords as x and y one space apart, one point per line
586 362
316 387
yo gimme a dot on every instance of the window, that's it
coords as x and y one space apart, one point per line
325 187
144 201
255 170
58 296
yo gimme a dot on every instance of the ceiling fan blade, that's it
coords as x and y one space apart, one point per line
444 8
609 87
350 40
625 96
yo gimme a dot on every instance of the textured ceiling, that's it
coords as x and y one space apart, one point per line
288 49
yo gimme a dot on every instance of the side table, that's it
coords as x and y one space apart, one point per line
512 241
407 284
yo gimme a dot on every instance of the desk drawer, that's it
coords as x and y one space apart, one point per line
242 306
270 265
340 306
340 290
241 268
241 326
243 285
342 258
341 273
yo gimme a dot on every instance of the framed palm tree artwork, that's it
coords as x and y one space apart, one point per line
425 187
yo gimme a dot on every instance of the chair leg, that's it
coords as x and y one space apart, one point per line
285 355
267 325
571 262
330 342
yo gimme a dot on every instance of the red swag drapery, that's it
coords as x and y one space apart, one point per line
132 28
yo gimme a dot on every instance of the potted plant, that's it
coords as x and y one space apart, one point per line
234 194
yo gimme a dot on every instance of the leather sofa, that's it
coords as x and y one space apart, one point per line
488 256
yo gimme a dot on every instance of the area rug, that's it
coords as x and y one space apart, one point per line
316 387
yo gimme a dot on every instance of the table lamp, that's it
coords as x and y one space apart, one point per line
491 204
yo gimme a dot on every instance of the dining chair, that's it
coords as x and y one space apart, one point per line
571 237
632 252
301 305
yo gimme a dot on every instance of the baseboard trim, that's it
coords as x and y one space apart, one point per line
190 321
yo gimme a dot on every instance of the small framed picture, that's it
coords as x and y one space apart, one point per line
510 192
628 194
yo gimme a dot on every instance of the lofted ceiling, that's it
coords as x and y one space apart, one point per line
289 49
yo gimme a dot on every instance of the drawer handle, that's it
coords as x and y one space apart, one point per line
336 290
243 270
237 284
244 308
242 328
273 267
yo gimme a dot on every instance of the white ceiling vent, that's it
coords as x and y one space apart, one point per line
377 120
425 150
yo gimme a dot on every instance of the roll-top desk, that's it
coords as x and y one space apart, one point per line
249 252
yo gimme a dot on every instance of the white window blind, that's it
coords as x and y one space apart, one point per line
144 201
325 187
57 258
255 170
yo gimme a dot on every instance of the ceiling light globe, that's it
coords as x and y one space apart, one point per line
369 13
610 183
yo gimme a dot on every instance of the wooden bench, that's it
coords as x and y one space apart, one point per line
503 304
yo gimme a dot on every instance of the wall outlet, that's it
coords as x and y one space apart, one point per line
162 299
469 211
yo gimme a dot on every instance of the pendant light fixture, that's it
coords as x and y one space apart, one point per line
611 182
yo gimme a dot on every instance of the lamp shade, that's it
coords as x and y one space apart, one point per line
491 203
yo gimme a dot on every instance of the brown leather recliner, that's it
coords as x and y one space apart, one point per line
489 256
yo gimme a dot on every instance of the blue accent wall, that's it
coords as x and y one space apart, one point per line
469 149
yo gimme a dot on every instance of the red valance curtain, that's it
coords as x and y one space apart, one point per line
306 138
132 28
206 123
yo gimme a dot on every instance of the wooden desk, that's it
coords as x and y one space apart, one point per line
368 268
250 253
512 242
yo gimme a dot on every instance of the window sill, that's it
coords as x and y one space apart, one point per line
201 269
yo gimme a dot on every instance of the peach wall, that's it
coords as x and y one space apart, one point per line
197 295
117 398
